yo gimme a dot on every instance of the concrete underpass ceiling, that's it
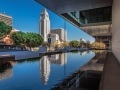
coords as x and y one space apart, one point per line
98 30
65 6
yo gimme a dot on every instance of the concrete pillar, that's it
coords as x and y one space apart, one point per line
116 28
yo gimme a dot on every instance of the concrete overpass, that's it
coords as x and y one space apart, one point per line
91 16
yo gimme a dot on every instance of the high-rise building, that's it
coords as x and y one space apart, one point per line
61 32
6 19
44 25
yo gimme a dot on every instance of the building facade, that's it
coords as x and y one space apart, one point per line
44 25
6 19
54 37
61 32
81 39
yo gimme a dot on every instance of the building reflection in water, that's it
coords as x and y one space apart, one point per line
6 70
83 53
45 61
59 59
44 69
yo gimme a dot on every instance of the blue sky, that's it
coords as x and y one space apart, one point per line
26 14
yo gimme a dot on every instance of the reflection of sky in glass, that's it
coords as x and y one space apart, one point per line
30 75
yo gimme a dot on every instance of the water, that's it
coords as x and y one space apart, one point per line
40 73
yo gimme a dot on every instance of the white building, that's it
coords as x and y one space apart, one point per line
44 25
54 37
61 32
82 40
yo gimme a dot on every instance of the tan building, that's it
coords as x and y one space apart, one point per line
7 40
61 32
6 19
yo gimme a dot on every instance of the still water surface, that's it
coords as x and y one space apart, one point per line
40 73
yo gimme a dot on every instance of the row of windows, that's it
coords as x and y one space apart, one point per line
7 22
93 15
98 11
5 19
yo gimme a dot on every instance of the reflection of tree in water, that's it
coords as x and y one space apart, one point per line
31 60
74 52
98 51
4 66
6 69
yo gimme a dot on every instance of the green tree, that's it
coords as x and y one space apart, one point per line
1 35
74 43
66 43
33 40
19 38
28 39
98 45
5 29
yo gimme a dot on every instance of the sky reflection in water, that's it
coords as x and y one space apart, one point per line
40 73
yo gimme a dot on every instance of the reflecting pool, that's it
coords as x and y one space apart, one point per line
41 73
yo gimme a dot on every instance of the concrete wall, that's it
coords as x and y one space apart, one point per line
21 54
116 28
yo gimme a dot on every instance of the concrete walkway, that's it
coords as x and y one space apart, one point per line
21 54
111 74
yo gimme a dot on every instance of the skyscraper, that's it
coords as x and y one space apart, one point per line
44 25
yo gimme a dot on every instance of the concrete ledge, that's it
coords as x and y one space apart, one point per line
51 52
111 74
21 54
7 58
